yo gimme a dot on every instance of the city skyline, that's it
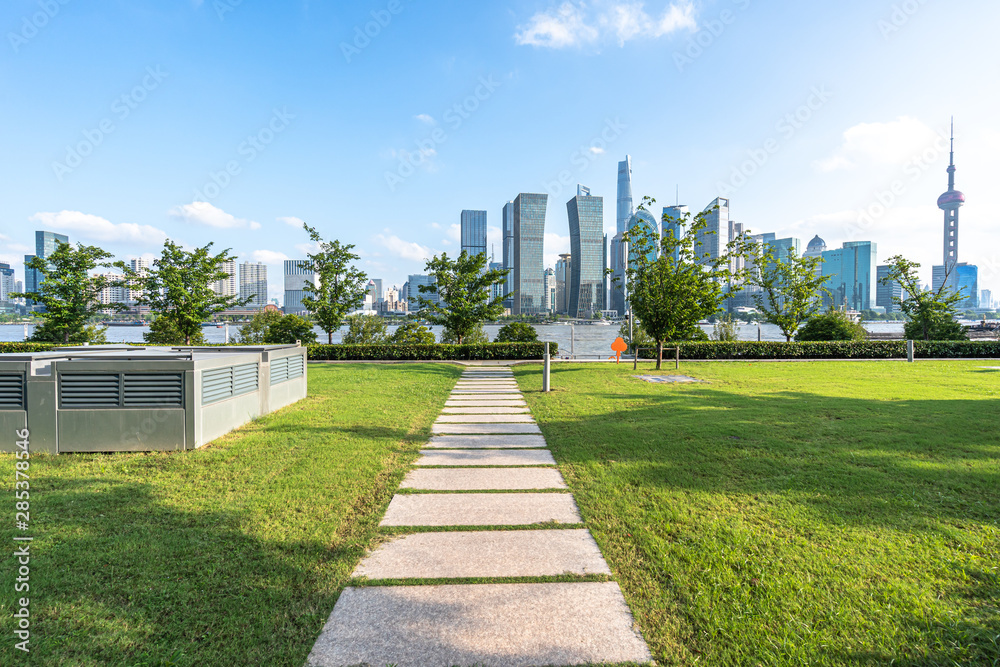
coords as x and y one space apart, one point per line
845 142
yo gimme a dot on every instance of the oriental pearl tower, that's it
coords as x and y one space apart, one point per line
950 202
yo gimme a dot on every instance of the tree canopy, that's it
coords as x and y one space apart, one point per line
464 296
791 286
931 314
340 287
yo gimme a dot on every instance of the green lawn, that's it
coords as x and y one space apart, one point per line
230 555
792 513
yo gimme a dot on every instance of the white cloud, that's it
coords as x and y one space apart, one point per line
203 213
575 25
555 245
454 232
268 256
424 118
403 249
96 228
597 150
892 143
292 221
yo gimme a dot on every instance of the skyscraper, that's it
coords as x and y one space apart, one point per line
647 222
586 240
529 240
46 243
618 262
950 202
298 274
625 209
253 284
967 284
851 273
6 282
413 285
474 232
508 251
714 237
563 270
550 291
673 217
228 286
885 293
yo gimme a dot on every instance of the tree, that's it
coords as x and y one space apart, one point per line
164 331
475 336
725 329
463 289
70 295
791 287
832 325
288 330
254 331
341 286
516 332
178 287
365 330
639 337
412 333
684 284
931 315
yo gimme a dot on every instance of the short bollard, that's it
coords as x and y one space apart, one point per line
909 351
546 370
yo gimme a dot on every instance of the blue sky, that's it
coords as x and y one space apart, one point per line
228 121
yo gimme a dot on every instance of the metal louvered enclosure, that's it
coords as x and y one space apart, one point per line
123 398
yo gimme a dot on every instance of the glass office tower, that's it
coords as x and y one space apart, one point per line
474 232
508 251
46 243
529 239
967 284
586 241
714 237
625 209
850 274
647 221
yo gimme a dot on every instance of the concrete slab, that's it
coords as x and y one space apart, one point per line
476 396
508 553
487 374
491 390
491 625
485 457
480 509
462 429
473 403
485 419
485 410
483 479
485 385
487 441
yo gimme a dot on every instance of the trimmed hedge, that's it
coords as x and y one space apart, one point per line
864 349
436 352
22 346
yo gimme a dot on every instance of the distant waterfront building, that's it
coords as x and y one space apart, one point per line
508 251
298 274
619 263
112 294
7 282
816 247
529 243
586 240
950 202
850 275
562 274
967 285
497 289
625 208
671 223
46 243
714 237
887 293
986 299
253 284
473 232
550 291
646 221
604 270
228 286
413 284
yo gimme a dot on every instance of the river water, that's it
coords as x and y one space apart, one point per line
582 340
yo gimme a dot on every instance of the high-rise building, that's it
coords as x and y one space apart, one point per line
7 283
550 291
714 237
497 289
298 274
46 243
967 285
986 299
950 202
474 232
619 263
253 284
113 293
850 275
816 247
586 240
625 209
508 251
645 221
886 293
414 283
604 270
563 270
529 242
228 286
672 223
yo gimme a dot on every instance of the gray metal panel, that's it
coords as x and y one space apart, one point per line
153 390
12 421
245 379
87 391
279 370
12 391
217 419
216 384
153 429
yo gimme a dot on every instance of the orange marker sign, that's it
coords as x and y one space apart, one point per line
618 347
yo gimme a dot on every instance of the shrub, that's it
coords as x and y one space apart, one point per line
365 330
516 332
254 331
476 336
289 329
412 333
164 331
864 349
725 329
436 352
831 325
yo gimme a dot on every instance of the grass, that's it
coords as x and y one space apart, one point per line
791 513
230 555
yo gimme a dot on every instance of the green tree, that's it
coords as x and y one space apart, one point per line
931 314
340 288
832 325
365 330
288 330
791 286
70 295
475 336
463 289
178 288
684 284
516 332
412 333
639 337
254 331
725 329
164 331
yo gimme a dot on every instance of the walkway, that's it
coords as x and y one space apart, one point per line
486 469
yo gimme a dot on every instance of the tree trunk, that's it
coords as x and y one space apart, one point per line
329 337
788 338
66 337
659 354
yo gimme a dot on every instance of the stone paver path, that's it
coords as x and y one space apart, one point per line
486 465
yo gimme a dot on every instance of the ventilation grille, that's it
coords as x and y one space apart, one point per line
89 390
295 366
244 379
279 370
160 389
12 391
216 384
